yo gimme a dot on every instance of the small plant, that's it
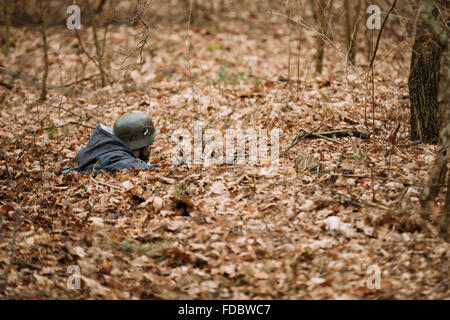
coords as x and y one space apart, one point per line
215 47
127 245
51 132
66 131
225 77
254 80
180 190
359 157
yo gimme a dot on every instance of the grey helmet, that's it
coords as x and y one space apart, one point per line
136 130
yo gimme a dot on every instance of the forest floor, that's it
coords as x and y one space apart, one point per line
224 231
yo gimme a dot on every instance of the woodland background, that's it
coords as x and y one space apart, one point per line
309 229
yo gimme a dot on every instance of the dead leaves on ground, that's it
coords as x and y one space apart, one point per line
307 229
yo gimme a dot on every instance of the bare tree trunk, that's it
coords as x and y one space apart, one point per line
351 27
300 38
288 13
445 216
97 46
437 174
444 105
318 8
423 84
321 41
44 39
441 37
423 87
9 10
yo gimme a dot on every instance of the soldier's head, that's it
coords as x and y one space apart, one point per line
136 130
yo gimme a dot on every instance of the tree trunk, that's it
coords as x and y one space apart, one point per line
42 10
351 27
444 105
9 10
319 8
444 228
97 45
441 37
423 85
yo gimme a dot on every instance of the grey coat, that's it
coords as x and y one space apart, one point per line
108 153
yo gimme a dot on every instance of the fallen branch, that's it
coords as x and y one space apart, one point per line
7 86
166 180
406 184
359 203
299 138
71 122
35 83
409 144
240 179
77 81
336 134
304 134
107 185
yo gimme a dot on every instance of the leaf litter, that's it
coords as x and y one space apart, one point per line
308 229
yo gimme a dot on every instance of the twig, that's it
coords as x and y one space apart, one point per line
31 81
197 60
321 136
188 44
387 179
35 83
288 10
372 184
96 63
93 169
141 44
379 34
61 81
338 134
371 68
83 49
139 15
409 144
360 203
300 36
299 138
64 109
166 180
396 49
392 138
78 81
323 36
240 179
106 184
104 39
71 122
97 46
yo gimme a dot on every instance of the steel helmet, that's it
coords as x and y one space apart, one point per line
136 130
